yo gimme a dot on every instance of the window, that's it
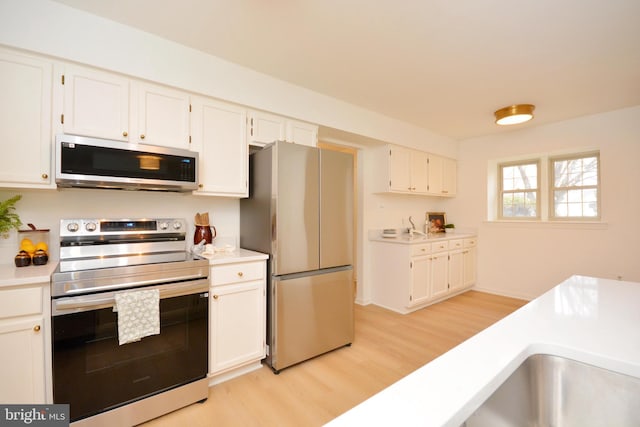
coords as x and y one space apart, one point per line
519 190
575 188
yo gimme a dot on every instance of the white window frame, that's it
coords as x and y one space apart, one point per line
552 188
502 191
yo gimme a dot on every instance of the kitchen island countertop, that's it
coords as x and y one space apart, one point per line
587 319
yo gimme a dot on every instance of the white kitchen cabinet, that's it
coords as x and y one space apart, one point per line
265 128
408 171
219 136
301 133
470 260
162 115
420 272
25 121
408 276
449 177
439 275
96 103
442 176
237 319
107 105
23 332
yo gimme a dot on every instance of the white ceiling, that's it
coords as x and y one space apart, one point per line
440 64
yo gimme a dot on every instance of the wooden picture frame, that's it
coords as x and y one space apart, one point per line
436 222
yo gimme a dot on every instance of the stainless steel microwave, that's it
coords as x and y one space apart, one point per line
99 163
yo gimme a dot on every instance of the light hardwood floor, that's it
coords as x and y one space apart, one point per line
387 347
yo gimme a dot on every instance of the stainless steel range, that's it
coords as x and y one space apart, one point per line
103 264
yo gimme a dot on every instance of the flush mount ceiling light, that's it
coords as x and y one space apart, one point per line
514 114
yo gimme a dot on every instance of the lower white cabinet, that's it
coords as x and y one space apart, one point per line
237 319
409 276
22 342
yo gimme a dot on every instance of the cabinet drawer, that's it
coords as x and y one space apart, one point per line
470 243
234 273
20 302
456 244
424 249
440 246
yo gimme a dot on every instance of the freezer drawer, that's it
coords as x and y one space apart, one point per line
310 315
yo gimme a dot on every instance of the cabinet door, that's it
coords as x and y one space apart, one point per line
219 131
436 165
420 269
163 116
470 259
22 361
301 133
25 121
400 169
265 128
237 330
449 177
456 270
419 172
439 275
96 104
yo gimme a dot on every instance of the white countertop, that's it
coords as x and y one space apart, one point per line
237 255
10 275
405 239
591 320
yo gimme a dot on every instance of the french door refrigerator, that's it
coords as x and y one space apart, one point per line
300 212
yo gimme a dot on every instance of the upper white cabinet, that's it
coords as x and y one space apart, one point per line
442 176
218 135
265 128
301 133
405 170
162 115
95 103
25 120
106 105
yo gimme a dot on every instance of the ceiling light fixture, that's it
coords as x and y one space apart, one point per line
514 114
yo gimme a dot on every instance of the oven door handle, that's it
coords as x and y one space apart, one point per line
67 305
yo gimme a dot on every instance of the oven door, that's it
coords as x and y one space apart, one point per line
93 373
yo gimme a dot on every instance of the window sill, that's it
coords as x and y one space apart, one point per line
567 225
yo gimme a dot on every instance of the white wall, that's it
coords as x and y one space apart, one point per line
57 30
45 209
525 260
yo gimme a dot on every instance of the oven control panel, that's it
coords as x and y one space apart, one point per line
105 227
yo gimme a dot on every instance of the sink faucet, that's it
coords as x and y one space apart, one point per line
413 230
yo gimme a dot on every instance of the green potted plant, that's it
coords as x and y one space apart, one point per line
8 218
448 228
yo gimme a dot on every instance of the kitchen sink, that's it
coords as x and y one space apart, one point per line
554 391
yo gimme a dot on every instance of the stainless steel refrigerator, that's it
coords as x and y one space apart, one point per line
300 212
